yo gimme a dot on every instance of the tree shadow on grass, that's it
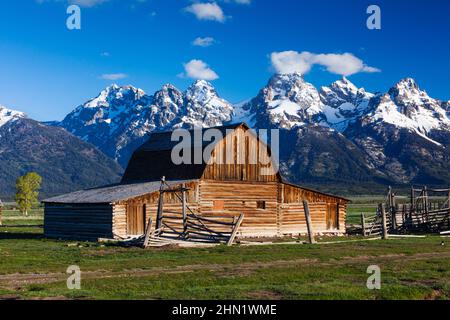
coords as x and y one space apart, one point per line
10 232
20 236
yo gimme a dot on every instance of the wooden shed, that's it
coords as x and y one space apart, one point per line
215 188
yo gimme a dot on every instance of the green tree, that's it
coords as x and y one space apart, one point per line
27 191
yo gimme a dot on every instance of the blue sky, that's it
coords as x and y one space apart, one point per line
47 70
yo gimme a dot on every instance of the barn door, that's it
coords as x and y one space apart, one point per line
332 216
135 220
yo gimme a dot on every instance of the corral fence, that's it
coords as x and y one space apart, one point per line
427 211
185 226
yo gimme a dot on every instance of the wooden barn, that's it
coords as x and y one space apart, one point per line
212 189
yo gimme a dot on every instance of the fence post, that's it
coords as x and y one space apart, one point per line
363 224
160 204
426 203
235 230
390 197
308 222
183 187
383 221
393 219
148 231
448 200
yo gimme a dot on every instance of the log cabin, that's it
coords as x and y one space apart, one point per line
271 206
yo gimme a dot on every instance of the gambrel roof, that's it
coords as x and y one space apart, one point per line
153 159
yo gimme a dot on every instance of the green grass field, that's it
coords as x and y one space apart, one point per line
35 268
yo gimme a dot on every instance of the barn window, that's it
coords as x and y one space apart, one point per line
261 205
219 205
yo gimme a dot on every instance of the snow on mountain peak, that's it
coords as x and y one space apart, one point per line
114 92
408 84
201 91
7 115
284 81
344 103
287 101
203 106
407 93
168 87
404 112
345 87
415 104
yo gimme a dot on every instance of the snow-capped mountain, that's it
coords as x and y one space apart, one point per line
120 118
384 137
343 103
7 115
204 108
289 101
424 114
407 106
110 120
405 135
286 102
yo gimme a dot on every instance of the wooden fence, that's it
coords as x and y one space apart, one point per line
187 226
420 215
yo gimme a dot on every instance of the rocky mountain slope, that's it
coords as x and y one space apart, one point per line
65 162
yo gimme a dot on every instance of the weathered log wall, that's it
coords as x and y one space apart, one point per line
171 204
78 221
292 214
242 198
120 220
283 212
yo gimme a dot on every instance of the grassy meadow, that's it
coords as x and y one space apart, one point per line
33 267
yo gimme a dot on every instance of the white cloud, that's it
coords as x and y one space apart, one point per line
344 64
197 69
203 42
291 61
207 11
105 54
113 76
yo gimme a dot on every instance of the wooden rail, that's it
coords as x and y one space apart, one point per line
189 226
420 215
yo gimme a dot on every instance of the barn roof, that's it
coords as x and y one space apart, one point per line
161 141
111 193
283 180
154 158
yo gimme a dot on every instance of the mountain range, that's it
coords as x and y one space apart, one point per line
65 162
340 137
